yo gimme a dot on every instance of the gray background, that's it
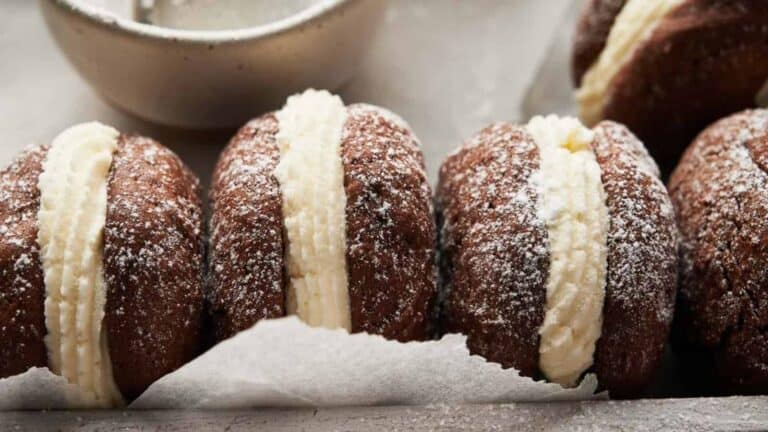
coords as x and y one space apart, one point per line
449 67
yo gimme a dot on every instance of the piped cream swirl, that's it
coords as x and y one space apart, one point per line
634 24
311 177
73 203
572 205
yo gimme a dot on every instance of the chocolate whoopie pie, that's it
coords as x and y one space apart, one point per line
101 261
720 193
559 252
323 211
668 68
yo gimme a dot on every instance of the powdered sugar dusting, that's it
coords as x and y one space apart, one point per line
642 265
390 228
22 291
153 263
247 246
719 190
388 116
495 259
642 221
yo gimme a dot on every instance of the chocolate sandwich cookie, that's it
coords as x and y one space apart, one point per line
720 193
559 252
101 258
323 211
668 68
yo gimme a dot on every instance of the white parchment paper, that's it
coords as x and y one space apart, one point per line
284 363
38 388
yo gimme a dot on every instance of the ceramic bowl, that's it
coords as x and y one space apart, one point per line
212 79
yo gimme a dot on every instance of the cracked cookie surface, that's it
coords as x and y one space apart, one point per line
719 191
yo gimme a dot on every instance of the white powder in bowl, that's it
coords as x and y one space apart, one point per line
203 14
121 8
223 14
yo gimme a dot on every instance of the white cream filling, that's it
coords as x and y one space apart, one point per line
572 205
73 205
634 24
311 177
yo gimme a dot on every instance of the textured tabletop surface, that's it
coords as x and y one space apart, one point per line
691 415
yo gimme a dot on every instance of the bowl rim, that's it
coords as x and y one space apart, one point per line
105 18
